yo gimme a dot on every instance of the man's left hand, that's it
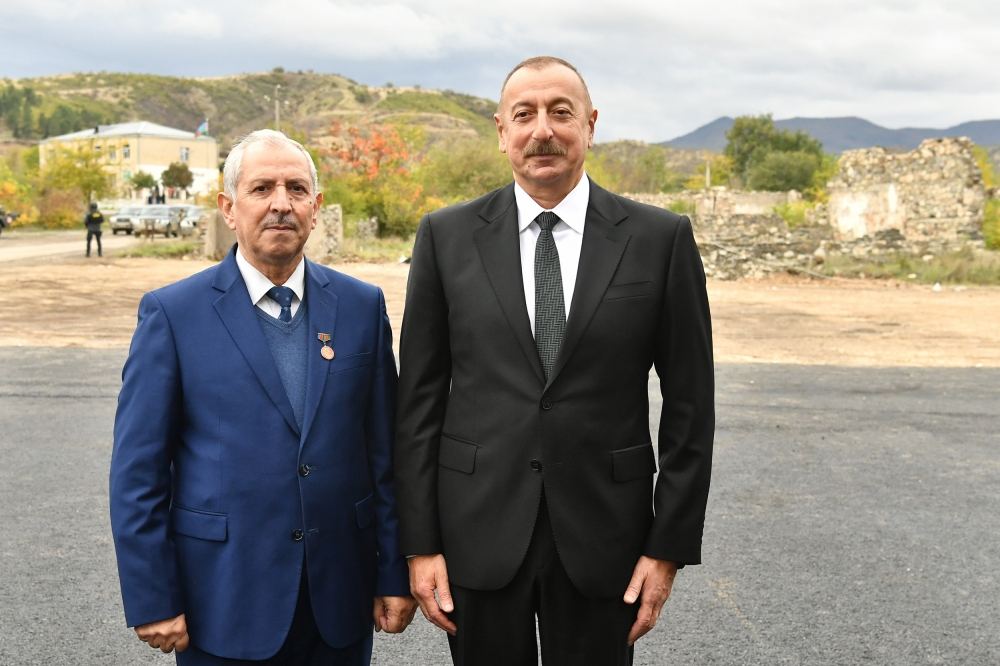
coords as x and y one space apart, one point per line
393 614
651 582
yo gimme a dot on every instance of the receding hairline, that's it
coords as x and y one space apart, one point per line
543 62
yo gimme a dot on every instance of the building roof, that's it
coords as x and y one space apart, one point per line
142 127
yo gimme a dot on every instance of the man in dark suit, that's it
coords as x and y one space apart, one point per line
524 461
251 481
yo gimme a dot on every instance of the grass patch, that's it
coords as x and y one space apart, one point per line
962 267
681 207
165 250
794 213
376 250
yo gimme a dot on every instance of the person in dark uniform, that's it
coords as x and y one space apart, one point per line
93 221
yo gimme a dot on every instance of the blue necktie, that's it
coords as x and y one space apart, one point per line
283 297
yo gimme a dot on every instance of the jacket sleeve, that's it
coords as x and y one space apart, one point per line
145 437
392 577
424 382
685 368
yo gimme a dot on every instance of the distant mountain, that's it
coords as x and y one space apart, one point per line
840 134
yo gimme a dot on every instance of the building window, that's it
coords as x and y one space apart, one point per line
126 152
112 153
185 154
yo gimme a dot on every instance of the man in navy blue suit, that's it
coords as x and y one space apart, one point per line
251 491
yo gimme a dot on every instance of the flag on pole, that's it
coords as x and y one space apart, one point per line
202 129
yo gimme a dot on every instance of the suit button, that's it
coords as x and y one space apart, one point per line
536 465
297 535
546 405
304 470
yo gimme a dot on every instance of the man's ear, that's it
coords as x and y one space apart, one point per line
316 207
591 122
501 142
226 208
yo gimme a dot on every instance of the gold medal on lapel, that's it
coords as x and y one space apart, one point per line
325 351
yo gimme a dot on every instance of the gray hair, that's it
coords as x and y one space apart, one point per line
234 161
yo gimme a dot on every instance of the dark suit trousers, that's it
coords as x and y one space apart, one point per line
498 627
303 646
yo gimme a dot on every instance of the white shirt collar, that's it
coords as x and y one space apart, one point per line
572 209
258 284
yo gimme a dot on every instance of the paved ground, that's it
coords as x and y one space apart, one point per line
853 519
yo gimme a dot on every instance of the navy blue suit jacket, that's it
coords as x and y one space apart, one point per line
212 480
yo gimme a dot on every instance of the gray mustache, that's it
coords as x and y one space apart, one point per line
286 220
543 148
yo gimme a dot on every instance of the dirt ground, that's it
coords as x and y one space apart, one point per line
74 302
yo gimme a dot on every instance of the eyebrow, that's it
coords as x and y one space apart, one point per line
555 102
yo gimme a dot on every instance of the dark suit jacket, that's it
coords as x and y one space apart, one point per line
208 490
480 432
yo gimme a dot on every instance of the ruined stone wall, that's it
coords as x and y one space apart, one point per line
718 202
935 191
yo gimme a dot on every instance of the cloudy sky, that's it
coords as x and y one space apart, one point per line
656 68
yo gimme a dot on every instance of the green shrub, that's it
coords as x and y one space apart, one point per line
794 213
991 224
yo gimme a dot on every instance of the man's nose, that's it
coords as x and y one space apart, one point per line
280 202
542 131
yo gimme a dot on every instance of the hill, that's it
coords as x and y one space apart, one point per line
840 134
309 103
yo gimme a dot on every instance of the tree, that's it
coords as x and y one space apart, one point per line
783 170
177 175
143 181
78 171
759 151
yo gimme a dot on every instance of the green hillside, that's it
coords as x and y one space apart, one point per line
31 109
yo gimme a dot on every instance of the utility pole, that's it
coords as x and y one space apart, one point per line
277 108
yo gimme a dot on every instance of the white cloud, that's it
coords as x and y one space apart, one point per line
656 68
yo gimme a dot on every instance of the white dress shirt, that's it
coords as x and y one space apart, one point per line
258 285
567 233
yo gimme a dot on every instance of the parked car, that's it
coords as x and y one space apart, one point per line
159 219
126 219
192 221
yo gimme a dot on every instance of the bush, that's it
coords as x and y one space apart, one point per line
780 171
60 209
991 224
794 214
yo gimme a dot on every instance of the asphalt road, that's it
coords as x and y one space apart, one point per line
854 519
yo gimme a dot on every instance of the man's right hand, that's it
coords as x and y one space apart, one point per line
428 574
168 635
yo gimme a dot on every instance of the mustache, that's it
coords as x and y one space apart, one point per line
542 148
280 220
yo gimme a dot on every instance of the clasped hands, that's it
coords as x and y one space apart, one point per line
651 583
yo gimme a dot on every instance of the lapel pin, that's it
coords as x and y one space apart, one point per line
325 351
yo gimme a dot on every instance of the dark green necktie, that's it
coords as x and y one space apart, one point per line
550 310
